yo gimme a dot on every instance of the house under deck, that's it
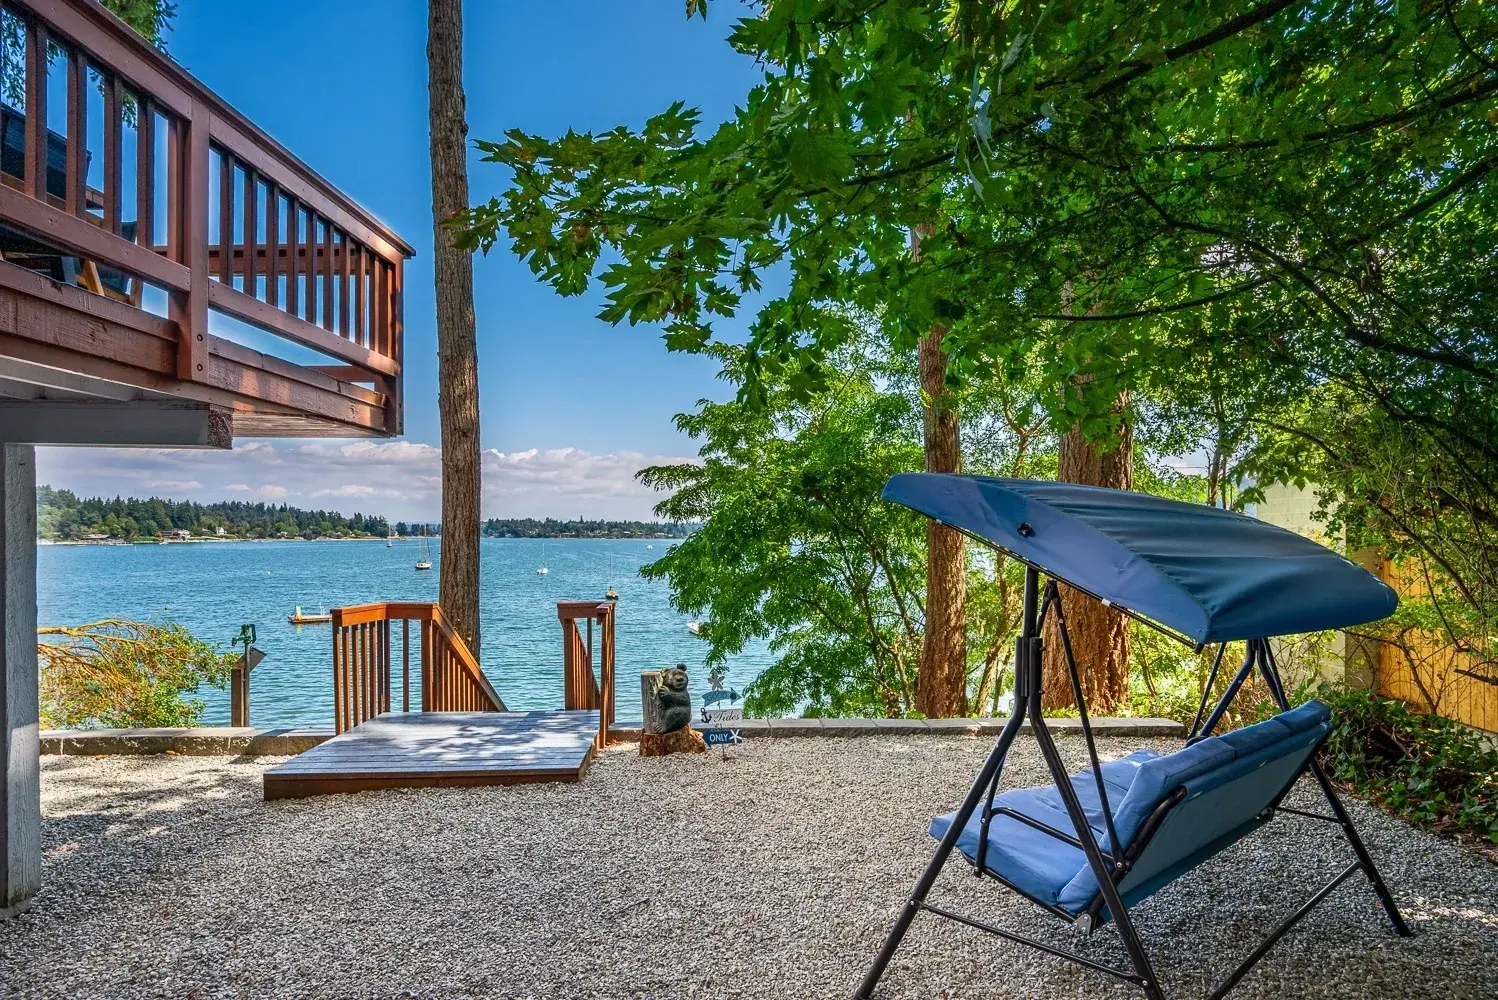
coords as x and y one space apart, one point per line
170 275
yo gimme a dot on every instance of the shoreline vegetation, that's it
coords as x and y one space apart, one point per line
64 518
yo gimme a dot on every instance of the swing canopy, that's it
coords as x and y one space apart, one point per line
1210 574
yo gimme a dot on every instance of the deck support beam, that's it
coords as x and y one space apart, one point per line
20 782
105 424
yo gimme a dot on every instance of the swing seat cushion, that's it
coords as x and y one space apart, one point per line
1230 780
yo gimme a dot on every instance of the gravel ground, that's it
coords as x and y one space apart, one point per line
774 873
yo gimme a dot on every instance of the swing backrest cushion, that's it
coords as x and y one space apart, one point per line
1229 782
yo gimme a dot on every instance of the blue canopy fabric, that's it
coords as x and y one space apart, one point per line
1210 574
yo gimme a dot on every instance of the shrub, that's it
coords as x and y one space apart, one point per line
1429 770
120 673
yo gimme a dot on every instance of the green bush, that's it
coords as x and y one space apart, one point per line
1431 771
122 674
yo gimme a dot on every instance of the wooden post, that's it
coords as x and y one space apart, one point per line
239 688
651 720
188 172
20 761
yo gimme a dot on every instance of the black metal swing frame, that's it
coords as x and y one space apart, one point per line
1109 868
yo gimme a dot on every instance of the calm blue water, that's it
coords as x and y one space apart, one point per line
212 588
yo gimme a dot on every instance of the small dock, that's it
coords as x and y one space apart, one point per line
442 750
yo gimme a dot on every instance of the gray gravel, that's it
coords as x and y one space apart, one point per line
772 874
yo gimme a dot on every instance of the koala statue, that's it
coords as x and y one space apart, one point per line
672 697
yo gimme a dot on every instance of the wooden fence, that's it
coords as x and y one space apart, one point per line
1426 670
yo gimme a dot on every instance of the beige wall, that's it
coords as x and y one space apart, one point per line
1291 508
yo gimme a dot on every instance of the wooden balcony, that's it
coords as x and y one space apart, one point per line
146 207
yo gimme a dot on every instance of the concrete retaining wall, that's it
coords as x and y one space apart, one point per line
221 741
759 728
216 741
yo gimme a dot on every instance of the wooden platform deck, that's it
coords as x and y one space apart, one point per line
441 750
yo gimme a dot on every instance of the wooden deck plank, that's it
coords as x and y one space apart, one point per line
441 750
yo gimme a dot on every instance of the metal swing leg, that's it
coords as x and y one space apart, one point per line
917 898
1144 973
1026 701
1103 868
1270 669
986 776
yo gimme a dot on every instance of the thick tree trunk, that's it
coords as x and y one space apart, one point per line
457 346
941 682
1099 635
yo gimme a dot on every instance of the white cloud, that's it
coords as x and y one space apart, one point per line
400 479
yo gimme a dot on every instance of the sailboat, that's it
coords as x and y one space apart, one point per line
425 562
389 542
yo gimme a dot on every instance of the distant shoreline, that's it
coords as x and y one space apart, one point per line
372 538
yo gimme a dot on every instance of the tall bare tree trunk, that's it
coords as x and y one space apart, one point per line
1099 635
457 344
941 682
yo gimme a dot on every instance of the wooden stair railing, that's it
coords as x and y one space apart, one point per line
450 678
581 689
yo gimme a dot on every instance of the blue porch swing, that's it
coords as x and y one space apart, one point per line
1095 843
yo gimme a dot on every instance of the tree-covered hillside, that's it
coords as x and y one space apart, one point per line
63 515
530 527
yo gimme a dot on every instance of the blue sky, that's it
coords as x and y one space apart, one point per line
343 85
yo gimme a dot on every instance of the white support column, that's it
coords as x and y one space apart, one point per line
20 794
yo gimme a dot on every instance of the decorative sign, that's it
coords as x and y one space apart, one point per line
717 695
718 716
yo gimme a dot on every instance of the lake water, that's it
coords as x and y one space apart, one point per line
214 587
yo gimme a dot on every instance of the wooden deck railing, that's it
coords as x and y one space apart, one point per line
364 662
225 219
581 689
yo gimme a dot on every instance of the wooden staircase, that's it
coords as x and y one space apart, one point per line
462 735
365 647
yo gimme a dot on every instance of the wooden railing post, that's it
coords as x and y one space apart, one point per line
581 690
405 664
189 192
606 672
36 109
340 690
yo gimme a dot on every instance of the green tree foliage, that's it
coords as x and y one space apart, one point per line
1273 224
152 18
795 545
63 515
120 674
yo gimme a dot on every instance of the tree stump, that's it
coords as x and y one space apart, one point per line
656 738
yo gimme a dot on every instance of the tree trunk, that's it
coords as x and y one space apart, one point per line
1099 635
457 346
941 681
